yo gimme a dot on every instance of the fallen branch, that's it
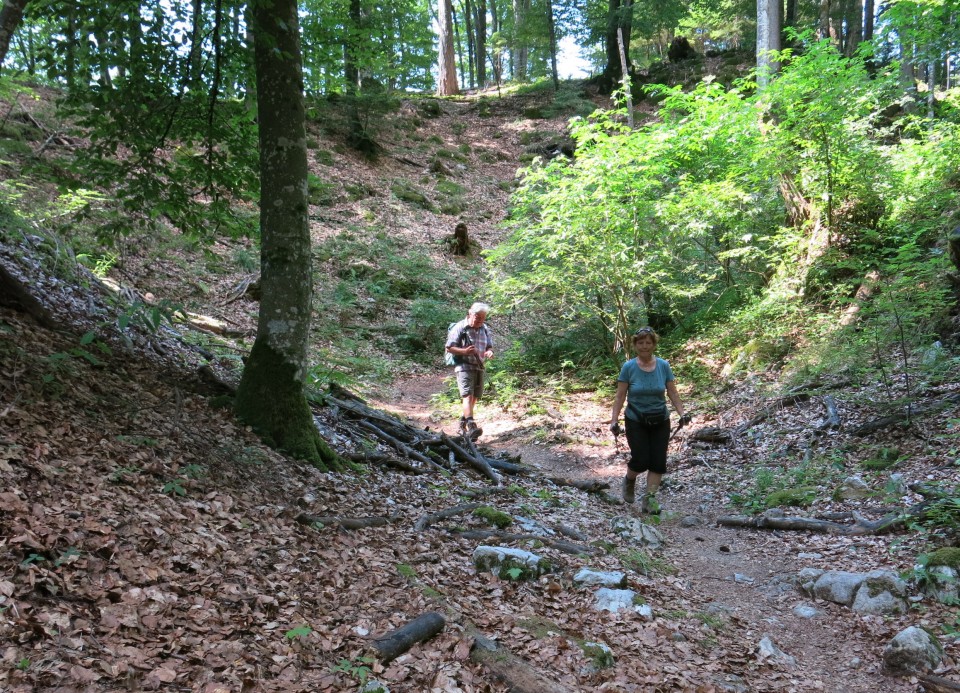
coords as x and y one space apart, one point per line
401 446
385 460
711 434
477 462
561 545
428 520
833 416
345 522
937 684
861 527
395 643
905 415
774 407
587 485
12 287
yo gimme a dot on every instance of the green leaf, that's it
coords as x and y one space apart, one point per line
298 632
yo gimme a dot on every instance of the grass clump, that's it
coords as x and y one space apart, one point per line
885 458
792 497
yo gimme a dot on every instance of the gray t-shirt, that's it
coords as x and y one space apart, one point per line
645 391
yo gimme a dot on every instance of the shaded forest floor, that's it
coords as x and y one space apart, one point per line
150 542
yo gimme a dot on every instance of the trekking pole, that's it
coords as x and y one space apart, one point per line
680 425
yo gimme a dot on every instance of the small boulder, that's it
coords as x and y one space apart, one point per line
506 561
617 600
634 530
881 592
837 586
599 654
586 576
805 611
853 487
913 650
767 651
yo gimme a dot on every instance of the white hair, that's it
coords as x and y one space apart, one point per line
479 308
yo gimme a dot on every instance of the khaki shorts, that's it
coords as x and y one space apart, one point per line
470 383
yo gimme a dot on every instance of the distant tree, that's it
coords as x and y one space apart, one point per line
619 21
10 15
447 69
271 394
769 25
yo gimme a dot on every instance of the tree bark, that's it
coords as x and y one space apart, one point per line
271 397
10 15
619 18
447 69
553 46
480 40
769 24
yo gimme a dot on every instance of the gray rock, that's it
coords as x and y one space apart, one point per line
599 654
913 650
634 530
718 609
742 579
854 487
617 600
586 576
691 521
837 586
501 559
810 556
374 686
806 579
805 611
897 483
882 592
767 651
533 527
730 683
942 584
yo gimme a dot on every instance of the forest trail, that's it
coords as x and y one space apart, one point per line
733 579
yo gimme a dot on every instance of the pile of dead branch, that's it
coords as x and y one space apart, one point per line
380 438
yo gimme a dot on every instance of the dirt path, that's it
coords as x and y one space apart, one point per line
737 579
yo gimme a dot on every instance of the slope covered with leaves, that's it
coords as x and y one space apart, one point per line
149 542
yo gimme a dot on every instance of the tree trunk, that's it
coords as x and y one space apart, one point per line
553 46
769 21
790 18
619 20
868 12
447 69
854 26
10 15
823 27
351 73
480 41
520 11
270 397
458 45
468 19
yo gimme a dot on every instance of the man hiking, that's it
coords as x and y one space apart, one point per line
471 344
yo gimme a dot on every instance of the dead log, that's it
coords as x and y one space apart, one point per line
396 642
345 522
477 462
21 297
833 417
711 434
799 524
937 684
774 407
861 527
428 520
587 485
517 674
905 415
572 533
561 545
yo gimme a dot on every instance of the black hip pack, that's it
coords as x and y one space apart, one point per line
651 420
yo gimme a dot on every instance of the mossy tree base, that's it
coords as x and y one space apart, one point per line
271 400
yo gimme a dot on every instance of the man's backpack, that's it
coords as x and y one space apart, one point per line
448 358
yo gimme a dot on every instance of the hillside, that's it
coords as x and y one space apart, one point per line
150 542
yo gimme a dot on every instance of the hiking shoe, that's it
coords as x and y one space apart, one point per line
629 489
462 430
649 504
472 430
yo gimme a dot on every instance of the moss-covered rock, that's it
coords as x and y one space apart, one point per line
799 497
493 516
948 556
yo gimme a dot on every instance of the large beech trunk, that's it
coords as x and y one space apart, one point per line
270 396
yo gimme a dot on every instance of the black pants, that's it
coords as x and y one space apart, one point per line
648 445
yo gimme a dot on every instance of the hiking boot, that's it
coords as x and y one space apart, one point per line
472 430
649 504
629 489
462 429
